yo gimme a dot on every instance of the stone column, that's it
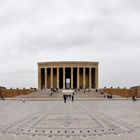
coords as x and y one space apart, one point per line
39 78
89 78
72 78
51 77
77 77
58 78
84 78
96 78
64 78
45 78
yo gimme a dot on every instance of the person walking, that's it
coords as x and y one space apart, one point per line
72 98
64 97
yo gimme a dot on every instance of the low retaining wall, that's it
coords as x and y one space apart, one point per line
15 92
123 92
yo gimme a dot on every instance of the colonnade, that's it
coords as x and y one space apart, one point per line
80 77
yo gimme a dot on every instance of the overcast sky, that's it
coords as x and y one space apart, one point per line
107 31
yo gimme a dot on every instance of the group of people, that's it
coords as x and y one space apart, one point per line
68 96
54 90
81 89
109 96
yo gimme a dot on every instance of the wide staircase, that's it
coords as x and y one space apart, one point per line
77 94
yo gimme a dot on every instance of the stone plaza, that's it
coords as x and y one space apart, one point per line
99 119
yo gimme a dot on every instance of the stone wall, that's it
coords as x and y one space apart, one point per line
123 92
15 92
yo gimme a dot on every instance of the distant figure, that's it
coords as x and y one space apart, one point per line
84 90
23 100
108 96
2 97
134 98
102 92
73 93
65 98
72 98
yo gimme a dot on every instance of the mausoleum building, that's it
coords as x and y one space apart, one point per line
68 75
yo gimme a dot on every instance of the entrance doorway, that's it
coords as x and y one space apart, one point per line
68 78
68 83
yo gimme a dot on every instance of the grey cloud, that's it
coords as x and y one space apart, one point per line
33 30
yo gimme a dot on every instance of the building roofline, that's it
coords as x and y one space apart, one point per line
48 62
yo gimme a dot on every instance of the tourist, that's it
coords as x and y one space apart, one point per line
73 93
85 90
23 100
72 98
65 98
108 96
2 97
133 98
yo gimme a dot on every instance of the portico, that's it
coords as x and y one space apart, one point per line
63 75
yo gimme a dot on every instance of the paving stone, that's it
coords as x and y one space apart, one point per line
72 120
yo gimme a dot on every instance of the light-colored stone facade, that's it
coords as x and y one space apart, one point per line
81 74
